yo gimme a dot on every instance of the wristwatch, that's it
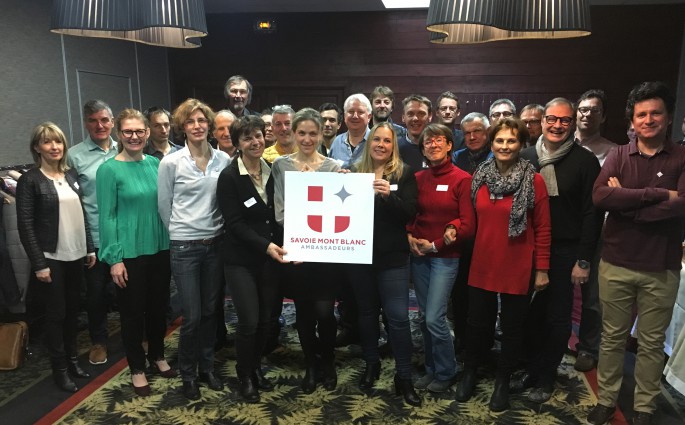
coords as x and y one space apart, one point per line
583 264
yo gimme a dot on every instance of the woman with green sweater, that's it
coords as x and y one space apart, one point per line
135 243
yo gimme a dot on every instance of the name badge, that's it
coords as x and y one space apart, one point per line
393 187
441 188
250 202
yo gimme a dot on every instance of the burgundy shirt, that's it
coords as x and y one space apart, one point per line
644 229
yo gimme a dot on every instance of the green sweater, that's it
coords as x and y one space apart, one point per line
127 200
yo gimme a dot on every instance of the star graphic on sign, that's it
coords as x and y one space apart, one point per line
343 194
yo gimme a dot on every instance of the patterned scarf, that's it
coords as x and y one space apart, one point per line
519 182
547 161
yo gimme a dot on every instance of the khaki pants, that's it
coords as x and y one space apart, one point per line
655 294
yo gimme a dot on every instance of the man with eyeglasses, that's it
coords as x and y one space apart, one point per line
531 115
641 185
501 108
382 100
416 116
448 113
159 144
589 119
86 158
281 124
569 172
238 91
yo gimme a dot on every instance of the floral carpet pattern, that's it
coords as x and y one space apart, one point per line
115 403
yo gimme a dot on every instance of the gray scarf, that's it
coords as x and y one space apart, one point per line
547 161
519 182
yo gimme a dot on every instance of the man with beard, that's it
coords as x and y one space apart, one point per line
589 118
417 114
448 113
331 115
238 91
382 101
569 172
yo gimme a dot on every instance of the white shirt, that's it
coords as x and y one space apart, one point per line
186 197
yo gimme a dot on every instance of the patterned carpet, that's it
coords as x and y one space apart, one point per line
114 402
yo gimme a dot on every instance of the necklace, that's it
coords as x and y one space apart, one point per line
59 178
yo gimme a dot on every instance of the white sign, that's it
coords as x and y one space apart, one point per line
328 217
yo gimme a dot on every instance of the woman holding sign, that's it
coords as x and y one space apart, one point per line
386 281
245 194
444 218
310 283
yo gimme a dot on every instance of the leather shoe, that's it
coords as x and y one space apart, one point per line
190 390
248 389
62 379
143 391
467 385
169 373
540 394
261 381
330 376
308 383
405 387
521 382
211 380
642 418
75 369
499 401
371 373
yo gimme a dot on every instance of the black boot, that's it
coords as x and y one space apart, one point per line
261 381
62 379
467 385
371 373
248 388
405 387
500 396
75 370
308 384
330 377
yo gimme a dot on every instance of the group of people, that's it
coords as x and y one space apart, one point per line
503 216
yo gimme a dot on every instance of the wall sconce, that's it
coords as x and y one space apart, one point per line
166 23
480 21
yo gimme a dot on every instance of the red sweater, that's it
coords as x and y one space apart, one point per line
444 198
504 264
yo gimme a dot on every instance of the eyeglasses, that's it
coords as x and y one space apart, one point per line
436 140
552 119
505 114
532 122
586 110
199 121
129 133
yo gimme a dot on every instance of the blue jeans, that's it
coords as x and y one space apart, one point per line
198 274
433 281
390 288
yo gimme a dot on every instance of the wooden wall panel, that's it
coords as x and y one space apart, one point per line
313 56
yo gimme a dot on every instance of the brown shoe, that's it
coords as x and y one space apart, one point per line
98 354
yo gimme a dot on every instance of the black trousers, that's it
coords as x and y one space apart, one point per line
254 290
142 307
481 323
60 301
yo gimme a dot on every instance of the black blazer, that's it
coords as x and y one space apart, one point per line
250 226
38 215
391 215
